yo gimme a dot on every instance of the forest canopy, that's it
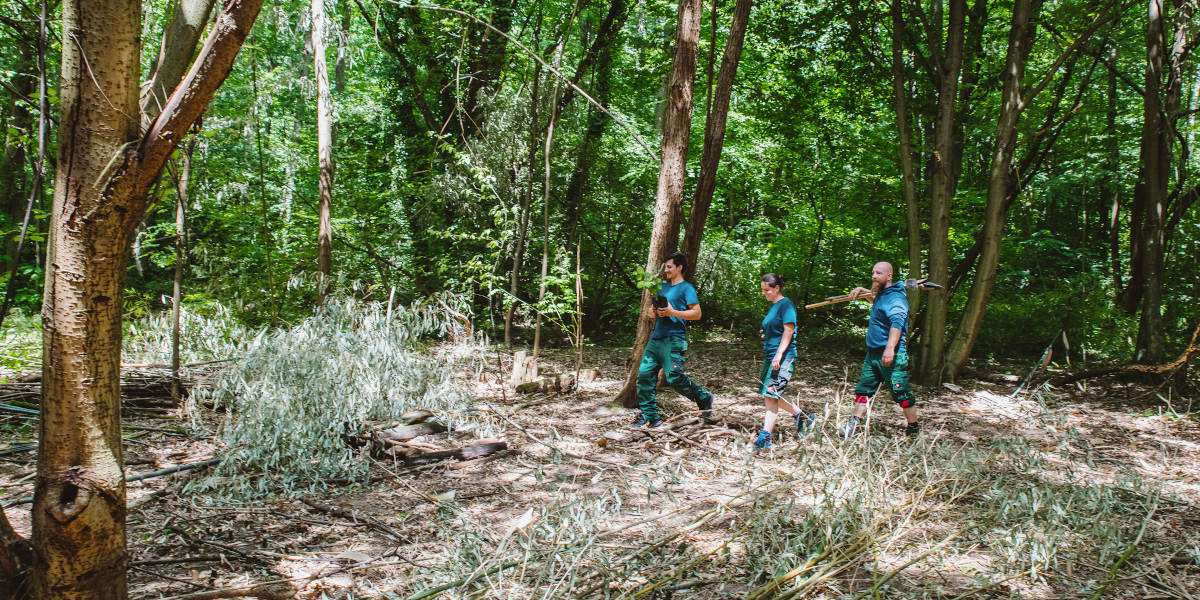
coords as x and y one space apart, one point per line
440 128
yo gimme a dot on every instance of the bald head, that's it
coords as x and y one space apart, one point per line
881 276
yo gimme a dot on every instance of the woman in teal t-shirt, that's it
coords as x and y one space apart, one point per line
779 353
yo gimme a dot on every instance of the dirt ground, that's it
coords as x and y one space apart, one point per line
582 506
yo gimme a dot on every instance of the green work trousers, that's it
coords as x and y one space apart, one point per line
895 376
667 354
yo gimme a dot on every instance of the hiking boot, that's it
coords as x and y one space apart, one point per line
912 429
852 427
646 423
763 441
803 422
705 406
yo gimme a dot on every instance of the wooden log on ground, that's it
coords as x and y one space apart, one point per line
528 387
990 377
407 432
588 375
416 416
550 383
417 456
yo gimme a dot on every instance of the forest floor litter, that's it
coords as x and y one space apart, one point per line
1088 490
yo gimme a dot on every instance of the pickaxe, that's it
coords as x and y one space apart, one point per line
909 284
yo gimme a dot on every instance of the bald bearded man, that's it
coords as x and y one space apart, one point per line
886 362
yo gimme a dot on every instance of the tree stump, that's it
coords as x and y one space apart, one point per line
525 369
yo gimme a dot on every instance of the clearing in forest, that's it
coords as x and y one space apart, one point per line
1056 493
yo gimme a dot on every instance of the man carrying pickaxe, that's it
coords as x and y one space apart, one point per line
887 360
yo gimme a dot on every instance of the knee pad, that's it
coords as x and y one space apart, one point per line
861 399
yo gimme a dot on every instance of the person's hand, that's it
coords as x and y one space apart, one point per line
858 291
775 364
889 355
665 312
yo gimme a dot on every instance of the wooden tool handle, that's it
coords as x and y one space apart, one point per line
837 299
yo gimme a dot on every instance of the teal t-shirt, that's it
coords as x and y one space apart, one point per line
782 312
679 296
889 310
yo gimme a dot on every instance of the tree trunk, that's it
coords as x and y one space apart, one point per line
1112 178
487 69
912 209
523 216
942 187
1020 39
1161 114
104 174
324 154
537 327
714 136
181 200
343 49
677 121
182 33
1150 194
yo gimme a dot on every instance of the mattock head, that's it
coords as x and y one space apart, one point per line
921 284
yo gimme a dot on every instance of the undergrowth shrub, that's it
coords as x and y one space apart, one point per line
294 394
208 332
20 343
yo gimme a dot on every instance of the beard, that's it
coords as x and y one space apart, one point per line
877 287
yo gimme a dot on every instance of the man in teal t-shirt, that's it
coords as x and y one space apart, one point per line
668 343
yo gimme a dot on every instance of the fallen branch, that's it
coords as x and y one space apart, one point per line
269 590
1163 371
175 469
418 456
131 479
357 518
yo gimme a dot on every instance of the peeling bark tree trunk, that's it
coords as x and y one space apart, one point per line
324 154
912 209
677 122
714 136
105 170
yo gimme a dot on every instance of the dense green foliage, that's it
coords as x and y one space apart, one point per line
434 166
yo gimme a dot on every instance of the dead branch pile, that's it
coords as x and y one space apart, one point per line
690 432
417 439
